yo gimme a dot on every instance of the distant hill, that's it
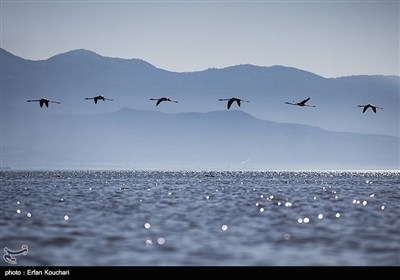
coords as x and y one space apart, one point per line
72 76
198 132
139 139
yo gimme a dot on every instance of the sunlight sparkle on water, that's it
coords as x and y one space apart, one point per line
160 241
29 215
149 242
193 228
364 202
18 202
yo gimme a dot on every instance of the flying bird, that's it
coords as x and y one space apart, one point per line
369 105
159 100
301 103
97 98
231 100
44 101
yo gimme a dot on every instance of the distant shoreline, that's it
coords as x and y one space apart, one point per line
204 170
5 168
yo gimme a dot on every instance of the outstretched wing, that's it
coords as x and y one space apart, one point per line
158 102
374 109
304 101
365 108
238 102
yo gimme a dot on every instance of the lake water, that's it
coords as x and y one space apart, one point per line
140 218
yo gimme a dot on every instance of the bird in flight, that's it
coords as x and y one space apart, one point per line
159 100
231 100
301 103
44 101
97 98
369 105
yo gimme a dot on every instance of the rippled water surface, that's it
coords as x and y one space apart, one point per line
138 218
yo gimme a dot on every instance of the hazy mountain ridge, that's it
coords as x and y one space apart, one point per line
198 132
72 76
140 139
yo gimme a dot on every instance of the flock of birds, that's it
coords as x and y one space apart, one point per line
45 101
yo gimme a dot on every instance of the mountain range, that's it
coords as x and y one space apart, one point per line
198 132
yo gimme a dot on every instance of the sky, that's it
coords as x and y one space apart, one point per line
328 38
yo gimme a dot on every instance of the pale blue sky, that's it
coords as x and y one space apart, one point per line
329 38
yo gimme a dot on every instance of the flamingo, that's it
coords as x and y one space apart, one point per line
369 105
44 101
97 98
301 103
159 100
231 100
